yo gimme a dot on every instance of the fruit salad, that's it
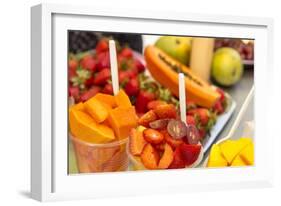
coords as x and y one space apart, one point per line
162 141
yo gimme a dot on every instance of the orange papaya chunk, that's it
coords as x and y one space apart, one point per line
122 99
107 99
122 120
97 109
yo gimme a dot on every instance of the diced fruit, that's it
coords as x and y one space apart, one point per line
153 136
136 142
122 120
192 135
88 62
155 103
105 98
122 99
238 161
150 157
177 129
142 100
202 113
80 106
167 157
178 161
166 111
247 154
159 124
90 93
148 117
170 140
190 120
96 109
102 77
132 87
84 127
216 159
102 46
108 89
103 60
189 153
126 52
231 148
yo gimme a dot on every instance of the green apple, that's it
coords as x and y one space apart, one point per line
227 66
175 46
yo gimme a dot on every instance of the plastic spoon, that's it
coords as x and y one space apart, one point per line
182 97
113 67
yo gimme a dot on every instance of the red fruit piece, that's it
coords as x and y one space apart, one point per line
189 153
192 135
153 136
170 140
190 120
89 82
72 64
103 60
155 103
148 117
218 107
222 94
74 92
202 133
136 142
166 111
126 52
90 93
123 77
167 157
140 67
88 62
150 157
190 105
108 89
159 124
132 87
142 100
178 161
202 113
102 46
102 77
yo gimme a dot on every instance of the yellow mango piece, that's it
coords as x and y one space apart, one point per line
84 127
238 161
97 109
122 99
216 159
106 98
231 148
79 106
247 154
122 120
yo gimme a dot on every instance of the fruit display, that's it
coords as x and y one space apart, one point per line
245 48
232 153
162 141
227 67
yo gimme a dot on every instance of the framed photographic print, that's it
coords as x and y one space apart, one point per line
135 102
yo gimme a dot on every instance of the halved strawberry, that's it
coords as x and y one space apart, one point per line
150 157
167 157
153 136
189 153
155 103
170 140
166 111
136 142
148 117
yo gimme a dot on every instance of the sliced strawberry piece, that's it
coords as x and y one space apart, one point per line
189 153
102 46
136 142
153 136
150 157
166 111
142 100
170 140
190 120
132 87
178 161
88 62
148 117
155 103
90 93
102 77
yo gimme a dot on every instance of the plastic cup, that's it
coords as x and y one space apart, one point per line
108 157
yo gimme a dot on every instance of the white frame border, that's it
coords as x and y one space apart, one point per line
42 89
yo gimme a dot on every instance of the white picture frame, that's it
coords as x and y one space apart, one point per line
49 178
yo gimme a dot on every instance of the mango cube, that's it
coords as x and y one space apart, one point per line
247 154
238 161
97 109
216 159
122 99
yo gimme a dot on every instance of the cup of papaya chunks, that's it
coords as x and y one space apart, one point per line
163 141
99 130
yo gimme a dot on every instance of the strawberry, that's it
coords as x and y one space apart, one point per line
218 107
132 73
132 87
102 46
102 77
126 52
170 140
166 111
155 103
108 89
190 105
123 77
89 82
190 120
140 67
88 62
189 153
202 113
178 161
148 117
142 100
153 136
202 133
90 93
74 92
222 95
72 64
103 60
